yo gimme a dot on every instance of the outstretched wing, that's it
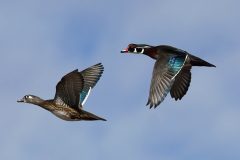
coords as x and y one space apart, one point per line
181 84
165 70
68 89
90 76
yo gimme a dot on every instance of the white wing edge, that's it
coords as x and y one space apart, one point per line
181 67
85 99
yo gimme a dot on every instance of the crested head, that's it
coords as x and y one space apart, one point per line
30 99
136 48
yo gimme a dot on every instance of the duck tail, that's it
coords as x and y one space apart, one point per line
195 61
89 116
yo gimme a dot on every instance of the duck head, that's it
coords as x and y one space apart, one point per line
136 48
30 99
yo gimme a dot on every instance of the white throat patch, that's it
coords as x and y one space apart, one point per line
135 50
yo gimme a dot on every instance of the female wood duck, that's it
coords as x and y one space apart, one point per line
171 73
71 93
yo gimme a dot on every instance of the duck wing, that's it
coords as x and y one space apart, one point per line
90 76
68 89
181 84
165 70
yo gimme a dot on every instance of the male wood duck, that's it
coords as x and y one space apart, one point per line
171 72
71 93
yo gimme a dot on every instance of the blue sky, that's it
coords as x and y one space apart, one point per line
40 41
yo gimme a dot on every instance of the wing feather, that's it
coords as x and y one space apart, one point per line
90 76
181 84
164 73
68 89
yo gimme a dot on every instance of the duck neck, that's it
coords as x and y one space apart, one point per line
38 101
47 104
151 52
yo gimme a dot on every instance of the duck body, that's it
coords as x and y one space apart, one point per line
61 111
68 113
71 93
165 51
171 73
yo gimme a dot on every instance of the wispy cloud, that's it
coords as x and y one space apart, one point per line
43 40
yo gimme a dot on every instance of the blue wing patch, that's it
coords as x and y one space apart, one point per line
175 63
84 95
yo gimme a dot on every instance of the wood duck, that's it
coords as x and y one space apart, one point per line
71 93
171 72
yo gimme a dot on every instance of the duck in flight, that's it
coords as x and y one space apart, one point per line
171 72
71 93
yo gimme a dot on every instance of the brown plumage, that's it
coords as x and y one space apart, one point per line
71 91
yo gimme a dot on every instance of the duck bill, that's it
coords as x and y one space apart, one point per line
20 100
124 51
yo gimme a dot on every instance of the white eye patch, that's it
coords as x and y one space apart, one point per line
30 97
142 50
138 50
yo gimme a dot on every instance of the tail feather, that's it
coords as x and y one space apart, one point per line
89 116
195 61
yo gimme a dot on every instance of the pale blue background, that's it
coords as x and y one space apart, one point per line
42 40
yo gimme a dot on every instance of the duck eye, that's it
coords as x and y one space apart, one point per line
130 49
28 97
139 50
